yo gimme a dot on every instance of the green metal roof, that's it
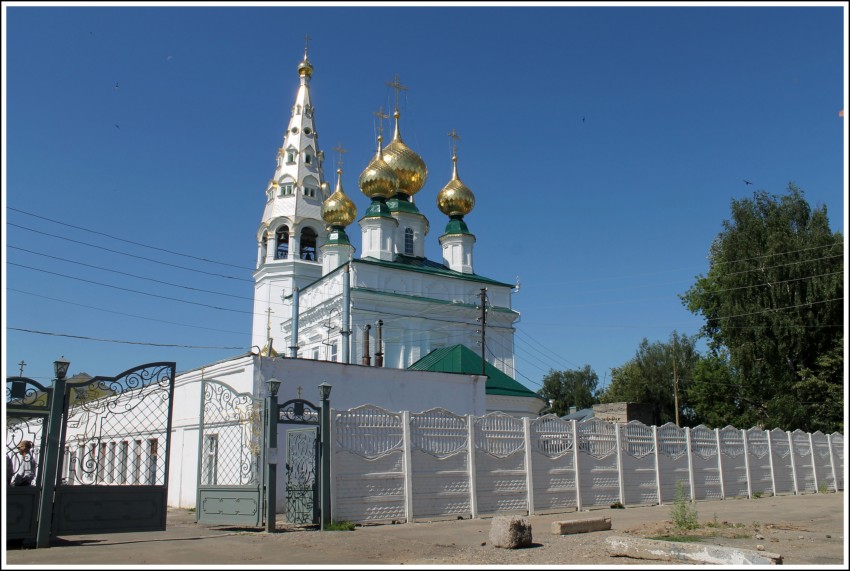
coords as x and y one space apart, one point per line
462 359
403 262
399 205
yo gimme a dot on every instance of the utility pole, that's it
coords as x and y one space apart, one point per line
675 388
483 320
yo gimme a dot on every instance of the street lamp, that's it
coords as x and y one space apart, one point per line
272 412
325 433
325 391
60 367
273 385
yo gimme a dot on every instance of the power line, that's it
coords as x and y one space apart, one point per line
119 341
128 289
131 275
192 325
128 241
66 239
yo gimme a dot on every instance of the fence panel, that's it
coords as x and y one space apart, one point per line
707 484
599 479
822 464
837 441
440 462
761 478
637 461
673 461
500 477
801 451
734 462
783 470
553 464
368 463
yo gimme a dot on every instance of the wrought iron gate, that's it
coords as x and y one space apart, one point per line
302 461
302 458
114 452
27 412
230 463
110 443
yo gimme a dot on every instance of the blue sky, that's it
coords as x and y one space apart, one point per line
604 145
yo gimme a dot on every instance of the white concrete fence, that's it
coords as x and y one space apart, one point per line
435 464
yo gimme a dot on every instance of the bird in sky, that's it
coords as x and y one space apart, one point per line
116 126
747 182
116 85
582 119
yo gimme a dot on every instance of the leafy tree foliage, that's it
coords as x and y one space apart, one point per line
573 387
772 299
648 378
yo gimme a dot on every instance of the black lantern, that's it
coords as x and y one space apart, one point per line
60 367
274 386
325 391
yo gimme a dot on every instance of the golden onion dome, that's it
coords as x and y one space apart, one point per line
338 209
409 166
456 199
378 179
305 67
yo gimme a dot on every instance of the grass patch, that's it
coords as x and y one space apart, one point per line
191 510
340 526
757 495
683 514
679 538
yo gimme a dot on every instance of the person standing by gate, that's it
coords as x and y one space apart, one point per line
21 465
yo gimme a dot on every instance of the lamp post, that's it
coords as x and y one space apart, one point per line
271 454
50 466
325 432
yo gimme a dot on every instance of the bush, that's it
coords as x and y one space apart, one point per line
340 526
683 515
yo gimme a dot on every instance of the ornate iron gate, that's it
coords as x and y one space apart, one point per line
27 412
302 458
302 461
114 452
230 463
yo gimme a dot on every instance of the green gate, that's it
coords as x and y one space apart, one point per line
230 463
302 457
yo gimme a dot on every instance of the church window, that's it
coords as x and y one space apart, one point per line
309 191
308 159
294 130
408 241
316 354
307 130
308 244
286 189
290 157
333 352
281 243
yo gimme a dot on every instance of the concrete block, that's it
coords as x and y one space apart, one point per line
581 525
510 532
637 548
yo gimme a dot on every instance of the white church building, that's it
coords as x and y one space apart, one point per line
389 327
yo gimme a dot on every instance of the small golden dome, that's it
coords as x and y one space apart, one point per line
338 209
409 166
305 67
379 180
456 199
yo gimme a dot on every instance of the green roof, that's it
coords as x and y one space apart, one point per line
403 262
462 359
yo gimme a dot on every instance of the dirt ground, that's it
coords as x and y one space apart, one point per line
805 530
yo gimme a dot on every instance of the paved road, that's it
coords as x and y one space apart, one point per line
807 529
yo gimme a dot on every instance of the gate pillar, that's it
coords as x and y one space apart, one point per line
271 455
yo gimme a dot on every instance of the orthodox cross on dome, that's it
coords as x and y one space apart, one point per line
306 43
396 84
22 364
381 116
455 138
340 152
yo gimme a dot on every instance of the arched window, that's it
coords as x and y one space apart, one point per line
281 243
265 245
408 241
308 244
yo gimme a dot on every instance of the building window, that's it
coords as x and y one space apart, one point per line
210 473
309 191
153 457
308 244
286 189
137 462
333 351
316 354
101 463
110 474
123 456
290 157
308 159
408 241
281 243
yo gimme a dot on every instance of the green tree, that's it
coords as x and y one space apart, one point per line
714 394
649 377
573 387
772 298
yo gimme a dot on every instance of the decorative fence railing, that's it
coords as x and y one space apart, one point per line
405 466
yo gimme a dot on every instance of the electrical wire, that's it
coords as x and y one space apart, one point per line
120 341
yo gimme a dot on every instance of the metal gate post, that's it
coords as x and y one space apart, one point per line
51 458
325 429
271 454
